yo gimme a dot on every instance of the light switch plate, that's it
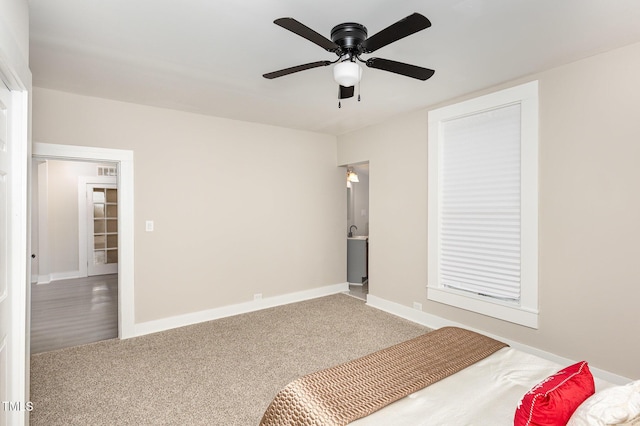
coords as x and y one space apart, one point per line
148 226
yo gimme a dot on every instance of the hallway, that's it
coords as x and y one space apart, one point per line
73 312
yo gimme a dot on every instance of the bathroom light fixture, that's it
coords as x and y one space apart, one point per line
347 73
352 176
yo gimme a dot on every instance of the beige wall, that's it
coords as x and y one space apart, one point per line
231 221
589 223
397 153
61 215
239 208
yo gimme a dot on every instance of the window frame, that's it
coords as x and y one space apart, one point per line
524 311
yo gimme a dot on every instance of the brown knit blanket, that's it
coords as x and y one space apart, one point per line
344 393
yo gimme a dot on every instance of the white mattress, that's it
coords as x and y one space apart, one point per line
484 394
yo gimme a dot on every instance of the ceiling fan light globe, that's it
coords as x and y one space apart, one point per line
347 73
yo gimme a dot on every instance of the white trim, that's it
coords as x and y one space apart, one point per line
411 314
240 308
17 247
57 276
124 158
524 312
508 311
14 70
41 279
44 258
435 322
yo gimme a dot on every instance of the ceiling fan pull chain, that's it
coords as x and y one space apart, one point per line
339 104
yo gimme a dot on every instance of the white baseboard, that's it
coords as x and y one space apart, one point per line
414 315
57 276
434 322
41 279
163 324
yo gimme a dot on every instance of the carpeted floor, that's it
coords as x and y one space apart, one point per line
223 372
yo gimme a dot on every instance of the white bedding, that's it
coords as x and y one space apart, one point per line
484 394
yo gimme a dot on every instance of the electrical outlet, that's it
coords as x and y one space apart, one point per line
417 306
257 296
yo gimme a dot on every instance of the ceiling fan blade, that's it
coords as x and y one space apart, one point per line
306 32
403 28
297 68
345 92
408 70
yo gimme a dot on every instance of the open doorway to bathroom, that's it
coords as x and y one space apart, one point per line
358 229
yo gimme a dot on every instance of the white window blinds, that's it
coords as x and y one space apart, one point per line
480 221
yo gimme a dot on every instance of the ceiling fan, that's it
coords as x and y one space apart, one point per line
348 42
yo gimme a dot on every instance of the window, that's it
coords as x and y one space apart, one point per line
483 205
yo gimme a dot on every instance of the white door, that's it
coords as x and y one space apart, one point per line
102 229
5 229
12 353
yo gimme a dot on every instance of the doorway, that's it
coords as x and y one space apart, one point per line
358 229
123 159
74 291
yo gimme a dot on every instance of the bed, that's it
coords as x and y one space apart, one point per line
453 376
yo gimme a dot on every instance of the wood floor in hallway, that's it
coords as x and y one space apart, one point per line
73 312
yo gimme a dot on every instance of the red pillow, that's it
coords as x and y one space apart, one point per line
553 401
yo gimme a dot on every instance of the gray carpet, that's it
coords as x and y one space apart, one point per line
223 372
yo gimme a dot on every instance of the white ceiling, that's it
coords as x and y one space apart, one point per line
208 56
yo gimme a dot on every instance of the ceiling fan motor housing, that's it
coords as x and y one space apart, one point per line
349 36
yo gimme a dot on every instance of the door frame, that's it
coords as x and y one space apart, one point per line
18 81
124 160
